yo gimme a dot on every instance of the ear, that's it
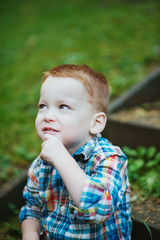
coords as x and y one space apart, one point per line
98 123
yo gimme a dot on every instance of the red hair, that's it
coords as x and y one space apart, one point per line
94 82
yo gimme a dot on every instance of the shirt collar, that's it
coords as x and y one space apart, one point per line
85 152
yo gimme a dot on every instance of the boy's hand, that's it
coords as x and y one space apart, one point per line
52 147
54 152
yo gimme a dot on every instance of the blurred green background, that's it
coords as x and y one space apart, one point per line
118 38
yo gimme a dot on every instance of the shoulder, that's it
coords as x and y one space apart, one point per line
105 149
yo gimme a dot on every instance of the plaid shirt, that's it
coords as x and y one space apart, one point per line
104 210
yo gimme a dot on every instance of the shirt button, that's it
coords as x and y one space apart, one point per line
63 209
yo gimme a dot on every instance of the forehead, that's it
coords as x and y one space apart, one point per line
60 86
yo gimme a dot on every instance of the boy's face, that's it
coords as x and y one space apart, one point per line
65 112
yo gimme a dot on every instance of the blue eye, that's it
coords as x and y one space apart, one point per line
41 106
64 106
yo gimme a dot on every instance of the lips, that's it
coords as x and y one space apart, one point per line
49 130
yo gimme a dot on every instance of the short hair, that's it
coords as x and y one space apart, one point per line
94 82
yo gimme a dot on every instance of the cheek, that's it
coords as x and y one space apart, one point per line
38 128
72 124
37 122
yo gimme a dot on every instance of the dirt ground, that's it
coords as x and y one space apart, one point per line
146 210
145 114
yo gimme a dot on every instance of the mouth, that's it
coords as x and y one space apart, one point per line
49 130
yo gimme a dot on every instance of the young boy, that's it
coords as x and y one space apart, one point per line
78 186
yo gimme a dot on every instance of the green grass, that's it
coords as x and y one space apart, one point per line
118 38
143 170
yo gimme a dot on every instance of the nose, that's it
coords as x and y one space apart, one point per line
50 116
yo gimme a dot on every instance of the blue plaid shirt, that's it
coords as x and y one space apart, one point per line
104 211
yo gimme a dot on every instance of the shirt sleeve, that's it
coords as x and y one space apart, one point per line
32 209
103 190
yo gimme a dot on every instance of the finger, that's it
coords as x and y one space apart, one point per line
47 136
